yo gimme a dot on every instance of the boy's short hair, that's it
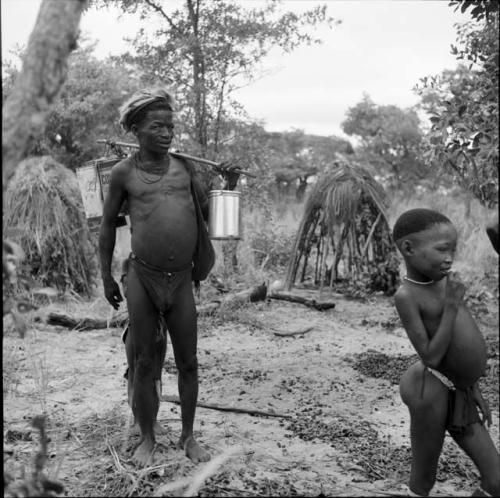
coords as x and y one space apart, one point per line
416 220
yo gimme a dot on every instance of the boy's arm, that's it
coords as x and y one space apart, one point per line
431 351
482 404
107 235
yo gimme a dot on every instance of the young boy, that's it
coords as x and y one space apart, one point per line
441 390
170 248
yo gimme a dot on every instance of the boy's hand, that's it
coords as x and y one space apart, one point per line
455 289
483 406
112 292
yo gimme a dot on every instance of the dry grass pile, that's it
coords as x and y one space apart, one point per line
44 203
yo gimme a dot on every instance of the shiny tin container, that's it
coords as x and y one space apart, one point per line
224 214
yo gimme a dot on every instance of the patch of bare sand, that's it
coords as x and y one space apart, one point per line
240 365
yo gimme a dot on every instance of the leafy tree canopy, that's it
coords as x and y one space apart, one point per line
389 136
206 49
463 105
86 109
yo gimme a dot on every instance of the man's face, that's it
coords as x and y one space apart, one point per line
156 131
433 250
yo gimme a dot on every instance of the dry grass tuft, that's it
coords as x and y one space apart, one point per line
44 203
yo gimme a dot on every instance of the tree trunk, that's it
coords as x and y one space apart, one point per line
40 80
198 77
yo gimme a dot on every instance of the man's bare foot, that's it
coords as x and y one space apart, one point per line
157 428
193 450
144 453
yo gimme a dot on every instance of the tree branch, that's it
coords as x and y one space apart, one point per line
162 13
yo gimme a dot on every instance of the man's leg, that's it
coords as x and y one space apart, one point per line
182 326
428 406
143 317
159 360
478 445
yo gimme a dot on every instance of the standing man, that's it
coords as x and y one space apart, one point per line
170 248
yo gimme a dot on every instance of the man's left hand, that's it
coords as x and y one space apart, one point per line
226 170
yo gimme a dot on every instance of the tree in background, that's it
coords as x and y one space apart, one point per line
390 140
86 108
207 49
40 80
463 105
295 157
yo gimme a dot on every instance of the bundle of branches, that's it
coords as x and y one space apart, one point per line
44 203
344 232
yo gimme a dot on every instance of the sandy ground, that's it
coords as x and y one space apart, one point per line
325 448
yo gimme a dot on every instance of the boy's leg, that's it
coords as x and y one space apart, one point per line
182 326
479 446
428 406
143 317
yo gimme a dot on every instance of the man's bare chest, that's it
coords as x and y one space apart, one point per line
146 188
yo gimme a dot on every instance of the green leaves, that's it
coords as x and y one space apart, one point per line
463 106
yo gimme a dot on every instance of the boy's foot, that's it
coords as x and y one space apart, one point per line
144 453
193 450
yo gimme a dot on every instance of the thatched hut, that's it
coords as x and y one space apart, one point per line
44 204
344 234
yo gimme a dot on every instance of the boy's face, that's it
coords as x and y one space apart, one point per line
156 131
431 251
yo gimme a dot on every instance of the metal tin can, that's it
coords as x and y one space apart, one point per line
224 214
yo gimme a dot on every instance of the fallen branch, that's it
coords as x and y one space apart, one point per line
290 333
294 298
224 408
87 323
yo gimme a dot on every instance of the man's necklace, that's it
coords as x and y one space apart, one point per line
417 282
141 172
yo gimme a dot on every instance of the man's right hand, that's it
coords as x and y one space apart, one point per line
112 292
455 289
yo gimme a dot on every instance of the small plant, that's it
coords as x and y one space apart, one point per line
38 484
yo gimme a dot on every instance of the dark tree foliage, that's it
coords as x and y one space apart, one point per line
463 105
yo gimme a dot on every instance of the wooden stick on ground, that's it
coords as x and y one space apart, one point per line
290 333
294 298
225 408
86 323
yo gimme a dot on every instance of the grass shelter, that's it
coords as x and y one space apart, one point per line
344 235
43 203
